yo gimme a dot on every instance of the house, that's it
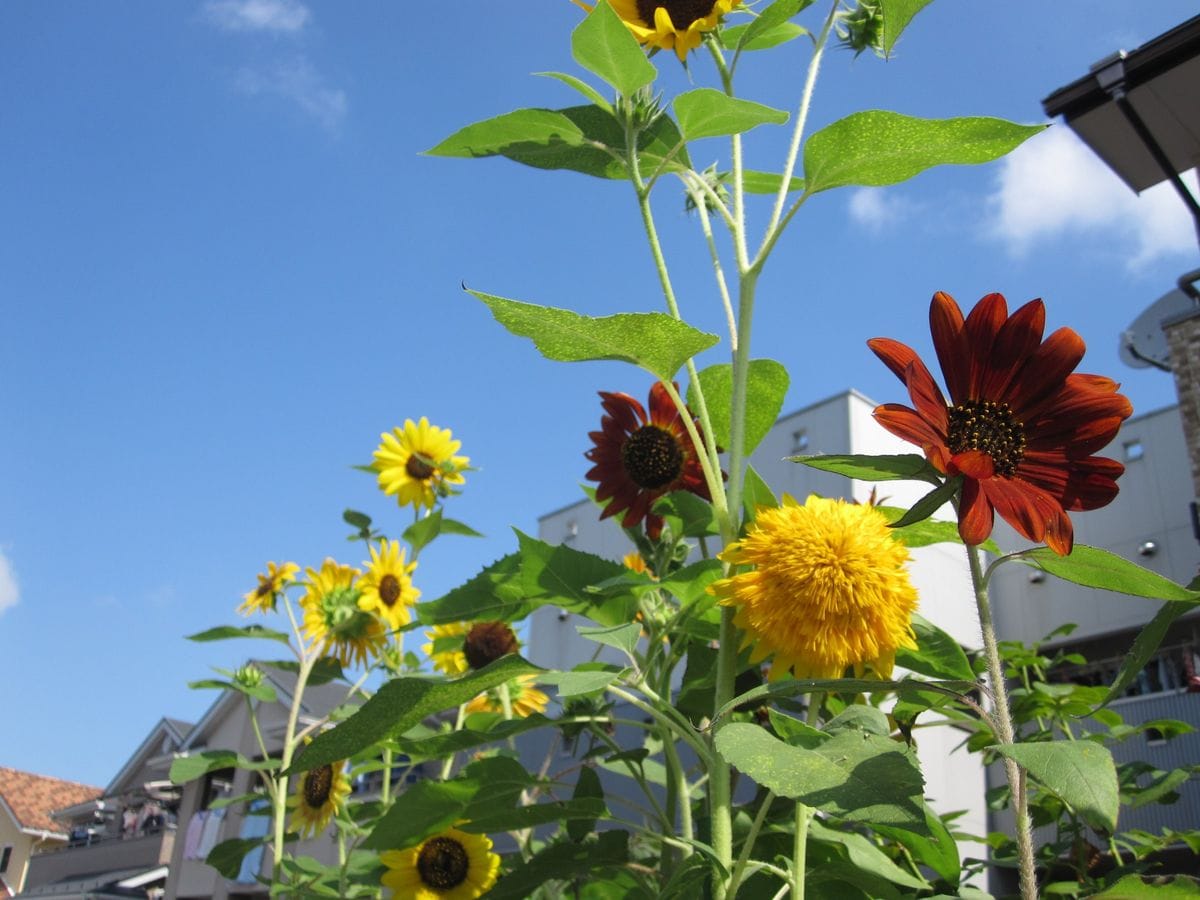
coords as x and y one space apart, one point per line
26 826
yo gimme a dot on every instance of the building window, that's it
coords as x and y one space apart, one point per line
800 440
1134 450
4 855
218 785
1154 737
571 532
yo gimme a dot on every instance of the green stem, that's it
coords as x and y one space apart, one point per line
307 661
448 764
800 850
682 791
1004 727
739 868
665 717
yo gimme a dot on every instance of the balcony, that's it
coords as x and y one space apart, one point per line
99 853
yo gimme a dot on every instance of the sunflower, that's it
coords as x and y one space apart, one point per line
523 698
1020 427
387 588
417 463
332 617
828 589
672 24
487 642
452 662
452 865
319 796
639 458
270 586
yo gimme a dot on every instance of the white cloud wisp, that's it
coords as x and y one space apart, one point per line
280 16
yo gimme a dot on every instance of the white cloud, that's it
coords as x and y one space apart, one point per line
301 84
286 16
10 593
876 208
1053 186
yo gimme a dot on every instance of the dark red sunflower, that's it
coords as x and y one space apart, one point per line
1020 427
639 458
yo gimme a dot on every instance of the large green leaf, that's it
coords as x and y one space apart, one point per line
896 15
224 632
769 21
756 493
493 594
877 147
793 687
621 637
605 47
472 735
656 342
939 850
1144 647
865 855
1093 567
763 39
523 131
1152 887
563 862
1080 773
402 703
929 531
854 775
227 856
766 387
565 577
937 655
695 514
581 86
706 112
587 786
898 467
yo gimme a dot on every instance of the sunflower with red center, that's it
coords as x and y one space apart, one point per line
639 458
1021 426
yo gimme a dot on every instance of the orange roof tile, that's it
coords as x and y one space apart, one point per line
33 797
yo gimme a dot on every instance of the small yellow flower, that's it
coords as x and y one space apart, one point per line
828 589
672 24
387 588
319 795
450 662
332 617
417 463
270 586
452 865
524 699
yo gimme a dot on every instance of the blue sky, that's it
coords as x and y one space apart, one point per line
225 269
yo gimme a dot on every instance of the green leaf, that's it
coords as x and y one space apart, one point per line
930 503
929 531
694 513
1093 567
324 670
866 856
766 387
582 86
424 530
227 856
1080 773
706 112
189 768
262 691
494 594
605 47
1161 786
1144 647
854 775
402 703
756 493
769 20
532 131
421 810
793 687
356 519
765 39
587 787
900 467
1152 887
578 682
690 583
224 632
938 655
875 147
563 862
440 745
765 182
896 15
587 809
654 341
564 577
622 637
939 851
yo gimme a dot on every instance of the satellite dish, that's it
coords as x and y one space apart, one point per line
1143 343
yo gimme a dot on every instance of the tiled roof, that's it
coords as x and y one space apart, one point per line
33 797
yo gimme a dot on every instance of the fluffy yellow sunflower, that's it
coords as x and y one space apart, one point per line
270 586
672 24
452 662
387 588
524 698
452 865
417 463
332 618
828 590
319 795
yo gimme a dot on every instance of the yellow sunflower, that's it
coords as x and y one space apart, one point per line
332 617
417 463
387 588
270 586
828 589
451 662
452 865
524 698
672 24
319 795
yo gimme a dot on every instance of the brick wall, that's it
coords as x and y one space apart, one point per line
1183 342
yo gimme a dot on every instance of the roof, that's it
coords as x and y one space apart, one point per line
31 798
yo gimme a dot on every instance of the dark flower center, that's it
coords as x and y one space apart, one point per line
487 642
389 589
682 12
265 587
318 783
987 426
417 468
652 457
443 863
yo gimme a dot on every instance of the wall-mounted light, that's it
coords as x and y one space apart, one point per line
1037 576
1147 548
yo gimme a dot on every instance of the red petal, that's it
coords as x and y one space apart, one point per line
975 518
624 409
662 407
895 355
974 464
926 396
1015 501
950 342
1017 339
983 324
1045 372
907 425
